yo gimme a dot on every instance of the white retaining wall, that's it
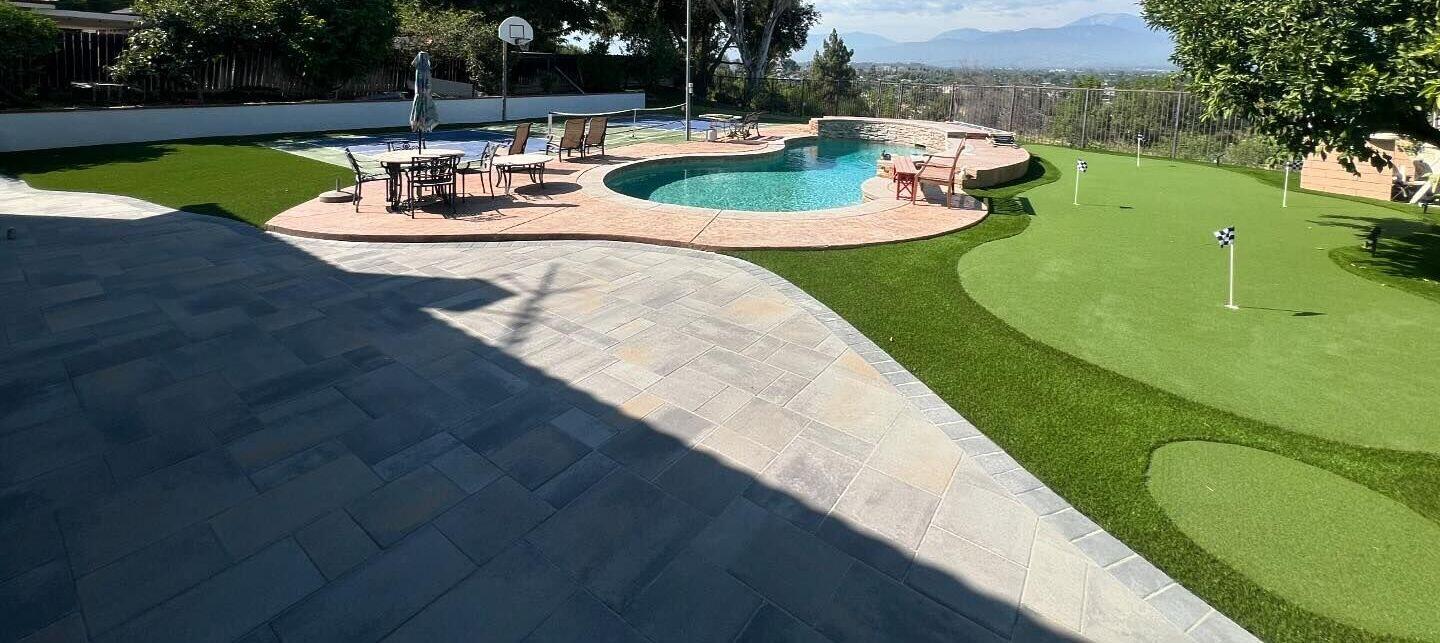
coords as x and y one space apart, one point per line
74 128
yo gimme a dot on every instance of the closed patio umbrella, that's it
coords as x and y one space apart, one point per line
423 115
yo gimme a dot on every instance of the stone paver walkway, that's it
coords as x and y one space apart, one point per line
575 204
211 433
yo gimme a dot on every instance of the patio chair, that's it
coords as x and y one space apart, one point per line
432 175
361 176
595 136
522 136
942 169
746 124
482 167
391 146
573 138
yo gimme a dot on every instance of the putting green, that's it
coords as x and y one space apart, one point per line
1315 538
1133 281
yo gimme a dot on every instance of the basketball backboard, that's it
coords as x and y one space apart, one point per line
516 31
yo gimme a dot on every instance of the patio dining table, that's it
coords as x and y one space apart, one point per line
395 161
534 163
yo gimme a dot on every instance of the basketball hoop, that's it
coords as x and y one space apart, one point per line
515 31
512 31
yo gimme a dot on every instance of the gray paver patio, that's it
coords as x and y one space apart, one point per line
214 433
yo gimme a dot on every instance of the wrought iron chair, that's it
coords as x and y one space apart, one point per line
399 145
361 176
483 167
432 175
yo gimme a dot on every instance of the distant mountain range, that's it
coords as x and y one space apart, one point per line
1101 41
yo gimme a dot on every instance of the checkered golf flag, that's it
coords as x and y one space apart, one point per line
1139 138
1226 236
1081 166
1295 166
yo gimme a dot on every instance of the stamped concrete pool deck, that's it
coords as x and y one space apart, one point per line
214 433
575 204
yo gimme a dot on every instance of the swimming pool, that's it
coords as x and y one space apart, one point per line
810 175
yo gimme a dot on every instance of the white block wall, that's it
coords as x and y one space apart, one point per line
73 128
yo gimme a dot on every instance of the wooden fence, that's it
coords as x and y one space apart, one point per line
82 57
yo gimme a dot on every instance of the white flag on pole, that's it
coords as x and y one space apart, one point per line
1226 238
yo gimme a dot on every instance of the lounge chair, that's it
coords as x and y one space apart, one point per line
522 136
942 169
595 136
573 138
361 176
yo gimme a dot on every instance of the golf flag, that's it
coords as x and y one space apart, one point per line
1290 166
1139 138
1226 238
1080 167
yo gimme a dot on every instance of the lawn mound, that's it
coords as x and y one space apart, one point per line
1326 543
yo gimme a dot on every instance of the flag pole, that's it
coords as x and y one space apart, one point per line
1231 301
1077 187
1285 191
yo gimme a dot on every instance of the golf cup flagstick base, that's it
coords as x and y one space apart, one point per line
1080 167
1226 237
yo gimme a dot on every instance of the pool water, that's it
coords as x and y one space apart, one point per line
826 173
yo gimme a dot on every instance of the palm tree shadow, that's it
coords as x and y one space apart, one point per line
590 516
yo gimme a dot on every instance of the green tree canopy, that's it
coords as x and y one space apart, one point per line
831 71
326 42
1315 74
24 35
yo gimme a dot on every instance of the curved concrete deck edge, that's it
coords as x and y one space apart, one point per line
1177 604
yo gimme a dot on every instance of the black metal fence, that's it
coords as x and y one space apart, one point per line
1167 123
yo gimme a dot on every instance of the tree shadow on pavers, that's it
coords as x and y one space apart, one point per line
212 432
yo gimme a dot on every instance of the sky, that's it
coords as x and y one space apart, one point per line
910 20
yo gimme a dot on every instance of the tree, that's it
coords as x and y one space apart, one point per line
324 42
23 35
754 33
831 74
1315 74
466 29
328 42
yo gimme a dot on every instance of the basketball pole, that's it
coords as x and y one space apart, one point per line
504 78
688 90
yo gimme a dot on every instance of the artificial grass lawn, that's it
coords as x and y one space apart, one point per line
1086 431
1407 258
237 179
1245 505
1132 280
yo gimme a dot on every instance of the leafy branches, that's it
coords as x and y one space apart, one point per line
1316 74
